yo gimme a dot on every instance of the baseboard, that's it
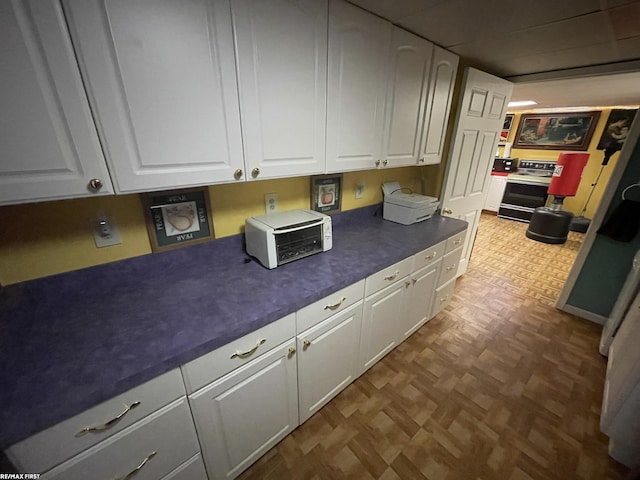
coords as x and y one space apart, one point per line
578 312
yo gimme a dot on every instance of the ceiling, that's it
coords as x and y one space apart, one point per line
541 46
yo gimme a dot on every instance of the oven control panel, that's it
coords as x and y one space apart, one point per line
538 168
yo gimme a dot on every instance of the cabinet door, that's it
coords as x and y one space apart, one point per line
162 83
282 73
407 89
242 415
327 359
420 291
444 67
358 47
48 143
381 327
496 191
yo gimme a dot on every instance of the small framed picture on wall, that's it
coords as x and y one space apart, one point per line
326 193
177 218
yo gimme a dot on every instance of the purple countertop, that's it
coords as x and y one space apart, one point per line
71 341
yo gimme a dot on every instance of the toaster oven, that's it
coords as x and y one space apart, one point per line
283 237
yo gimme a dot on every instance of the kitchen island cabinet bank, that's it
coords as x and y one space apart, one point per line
133 97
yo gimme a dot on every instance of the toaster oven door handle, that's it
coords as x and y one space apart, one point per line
295 229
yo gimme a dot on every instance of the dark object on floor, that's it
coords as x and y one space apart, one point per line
624 222
579 224
549 225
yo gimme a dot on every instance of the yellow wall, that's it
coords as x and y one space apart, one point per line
576 204
42 239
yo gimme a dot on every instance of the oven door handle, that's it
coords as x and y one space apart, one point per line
301 227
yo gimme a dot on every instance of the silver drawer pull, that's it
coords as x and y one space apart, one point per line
135 471
407 283
431 257
451 267
109 424
335 305
393 276
457 241
446 297
248 353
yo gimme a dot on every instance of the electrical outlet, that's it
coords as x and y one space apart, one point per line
360 189
105 232
270 202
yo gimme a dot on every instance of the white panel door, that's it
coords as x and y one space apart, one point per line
162 83
358 52
282 74
327 359
245 413
478 123
420 291
381 330
48 143
409 62
444 67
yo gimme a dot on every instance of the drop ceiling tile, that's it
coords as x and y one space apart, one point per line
593 29
461 21
626 21
393 10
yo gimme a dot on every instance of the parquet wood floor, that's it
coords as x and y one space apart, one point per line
500 385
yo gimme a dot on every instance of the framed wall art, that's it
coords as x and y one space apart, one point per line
556 131
617 128
326 193
177 218
506 128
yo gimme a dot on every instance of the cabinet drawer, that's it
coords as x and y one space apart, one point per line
313 314
449 266
192 469
169 433
443 297
455 241
428 256
54 445
388 276
223 360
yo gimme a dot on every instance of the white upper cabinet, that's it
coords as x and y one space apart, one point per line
160 76
282 75
49 148
407 89
444 67
357 79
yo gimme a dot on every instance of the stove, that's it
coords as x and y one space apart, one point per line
526 190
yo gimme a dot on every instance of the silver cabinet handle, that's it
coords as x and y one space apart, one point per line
451 267
248 353
109 424
385 162
306 344
292 352
457 241
407 283
444 299
447 211
135 471
95 184
377 162
414 281
238 174
432 256
335 305
255 172
392 276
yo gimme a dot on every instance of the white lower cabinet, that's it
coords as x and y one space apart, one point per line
243 414
497 185
150 449
327 359
419 290
381 325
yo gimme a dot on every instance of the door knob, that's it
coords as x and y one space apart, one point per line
447 211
